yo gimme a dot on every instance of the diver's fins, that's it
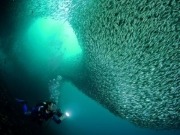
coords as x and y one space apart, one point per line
24 107
21 101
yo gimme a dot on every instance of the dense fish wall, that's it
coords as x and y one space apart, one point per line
132 56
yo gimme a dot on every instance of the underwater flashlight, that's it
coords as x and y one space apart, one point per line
67 114
64 116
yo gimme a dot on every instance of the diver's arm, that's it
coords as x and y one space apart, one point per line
62 117
56 119
59 116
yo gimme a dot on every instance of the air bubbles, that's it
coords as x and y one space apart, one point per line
54 88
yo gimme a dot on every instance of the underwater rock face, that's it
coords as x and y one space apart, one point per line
132 57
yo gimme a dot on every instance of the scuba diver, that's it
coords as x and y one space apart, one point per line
43 111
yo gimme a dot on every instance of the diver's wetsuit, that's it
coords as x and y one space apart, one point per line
41 113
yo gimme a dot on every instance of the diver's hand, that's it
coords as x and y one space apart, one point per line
64 116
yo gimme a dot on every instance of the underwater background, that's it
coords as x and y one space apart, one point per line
113 65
